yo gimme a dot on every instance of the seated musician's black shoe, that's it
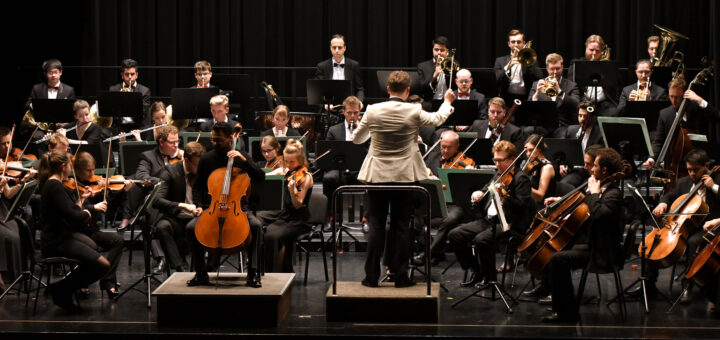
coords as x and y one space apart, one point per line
403 281
474 279
556 318
199 281
538 292
686 296
419 260
253 279
367 283
437 258
365 227
546 300
160 268
61 296
637 292
483 284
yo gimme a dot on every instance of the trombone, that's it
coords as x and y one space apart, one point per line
526 56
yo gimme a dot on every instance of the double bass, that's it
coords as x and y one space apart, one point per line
666 245
224 227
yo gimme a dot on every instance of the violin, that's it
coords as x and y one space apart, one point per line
15 169
275 164
299 175
181 156
95 185
17 155
500 126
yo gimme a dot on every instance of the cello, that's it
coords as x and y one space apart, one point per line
224 227
707 262
665 246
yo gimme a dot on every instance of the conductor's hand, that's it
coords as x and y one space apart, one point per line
236 154
102 206
449 96
660 209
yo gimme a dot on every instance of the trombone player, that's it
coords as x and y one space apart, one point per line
433 79
643 89
516 72
564 92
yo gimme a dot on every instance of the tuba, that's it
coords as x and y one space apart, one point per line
28 122
665 56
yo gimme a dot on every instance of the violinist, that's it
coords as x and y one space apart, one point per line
63 214
174 202
516 205
603 250
697 164
215 159
219 107
643 89
11 246
280 120
540 169
293 220
496 115
698 113
9 162
449 153
270 148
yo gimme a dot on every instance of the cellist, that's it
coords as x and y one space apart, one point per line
215 159
697 164
712 289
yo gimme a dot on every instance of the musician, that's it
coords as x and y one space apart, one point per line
174 202
496 114
11 250
433 79
88 131
281 119
568 96
540 169
514 80
640 90
219 107
604 233
697 164
52 88
449 153
61 216
340 67
605 99
464 81
270 148
203 74
586 130
712 290
129 74
697 114
158 114
653 43
215 159
516 206
393 158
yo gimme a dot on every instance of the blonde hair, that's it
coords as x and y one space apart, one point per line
80 104
553 58
595 39
497 101
296 148
203 65
220 99
282 111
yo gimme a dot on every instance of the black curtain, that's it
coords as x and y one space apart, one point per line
166 37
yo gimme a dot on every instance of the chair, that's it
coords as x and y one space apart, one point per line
45 264
318 216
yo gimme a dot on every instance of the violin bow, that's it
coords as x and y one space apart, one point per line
463 153
26 144
107 170
532 153
7 154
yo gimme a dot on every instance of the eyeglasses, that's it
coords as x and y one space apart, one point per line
498 160
172 141
204 74
644 71
267 151
464 81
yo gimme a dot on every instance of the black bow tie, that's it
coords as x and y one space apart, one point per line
338 65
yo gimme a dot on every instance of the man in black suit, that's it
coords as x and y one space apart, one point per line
129 76
586 130
698 169
604 234
464 81
514 80
496 113
433 80
640 90
219 107
340 67
698 113
605 98
653 43
487 227
174 203
568 96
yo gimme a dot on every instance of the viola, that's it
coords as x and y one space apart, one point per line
96 185
460 161
181 156
224 227
15 169
666 245
707 262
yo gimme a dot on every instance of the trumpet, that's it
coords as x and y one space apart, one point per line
551 86
642 90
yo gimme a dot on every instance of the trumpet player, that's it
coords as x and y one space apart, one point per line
514 78
129 74
564 92
643 89
433 79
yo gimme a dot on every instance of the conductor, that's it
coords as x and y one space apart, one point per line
393 158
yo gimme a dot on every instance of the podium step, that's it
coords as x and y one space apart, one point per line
357 303
229 303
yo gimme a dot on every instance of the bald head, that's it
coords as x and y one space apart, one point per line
449 144
463 80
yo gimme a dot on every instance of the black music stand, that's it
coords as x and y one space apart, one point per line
629 136
149 276
53 110
192 103
542 114
480 151
130 155
662 75
325 92
438 209
648 110
121 104
382 81
565 151
466 112
239 89
596 73
485 82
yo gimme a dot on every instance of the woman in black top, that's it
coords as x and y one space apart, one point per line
62 218
542 173
88 131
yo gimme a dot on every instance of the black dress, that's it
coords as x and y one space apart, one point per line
535 175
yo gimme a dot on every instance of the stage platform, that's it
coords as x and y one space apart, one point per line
307 317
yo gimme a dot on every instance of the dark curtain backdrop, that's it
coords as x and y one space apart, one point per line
91 37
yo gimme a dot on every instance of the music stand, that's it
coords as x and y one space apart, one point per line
130 155
327 91
619 132
382 81
540 113
205 138
480 152
53 110
648 110
268 194
662 75
596 73
149 276
121 104
240 89
457 190
21 199
466 112
485 82
344 155
565 151
701 142
192 103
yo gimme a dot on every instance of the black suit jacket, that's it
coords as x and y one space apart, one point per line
656 93
150 165
510 133
607 215
684 185
698 119
290 132
570 132
172 191
482 104
145 91
425 71
337 132
40 91
352 73
207 125
95 134
566 102
530 74
518 206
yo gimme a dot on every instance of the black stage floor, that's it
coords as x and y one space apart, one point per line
477 318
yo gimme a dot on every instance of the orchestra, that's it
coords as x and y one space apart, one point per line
523 205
